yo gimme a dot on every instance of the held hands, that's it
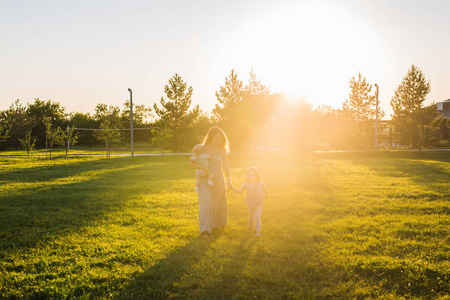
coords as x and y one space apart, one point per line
229 184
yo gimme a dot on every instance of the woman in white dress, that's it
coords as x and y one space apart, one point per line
213 199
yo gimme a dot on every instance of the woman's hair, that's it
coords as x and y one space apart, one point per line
223 141
255 170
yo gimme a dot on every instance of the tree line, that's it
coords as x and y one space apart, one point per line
249 113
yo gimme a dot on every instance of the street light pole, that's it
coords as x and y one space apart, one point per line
131 117
376 118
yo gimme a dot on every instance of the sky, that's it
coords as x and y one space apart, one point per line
82 53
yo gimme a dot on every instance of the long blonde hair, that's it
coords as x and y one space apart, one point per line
223 141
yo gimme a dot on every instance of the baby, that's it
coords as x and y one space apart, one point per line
201 158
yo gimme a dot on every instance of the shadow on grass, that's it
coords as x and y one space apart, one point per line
162 279
227 284
427 169
53 204
175 276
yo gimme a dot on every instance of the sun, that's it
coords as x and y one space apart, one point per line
306 49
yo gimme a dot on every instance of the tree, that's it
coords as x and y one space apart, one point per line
141 115
243 111
26 143
430 122
360 111
110 113
66 138
4 132
40 110
228 97
410 117
161 138
360 103
17 119
254 110
52 135
81 120
175 114
326 128
110 135
255 88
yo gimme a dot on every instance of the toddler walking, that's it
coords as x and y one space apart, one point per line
256 191
201 157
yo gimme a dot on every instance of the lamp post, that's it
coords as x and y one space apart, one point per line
131 117
376 118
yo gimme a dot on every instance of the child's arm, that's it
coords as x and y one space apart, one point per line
266 194
239 191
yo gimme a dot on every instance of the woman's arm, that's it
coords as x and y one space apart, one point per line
226 167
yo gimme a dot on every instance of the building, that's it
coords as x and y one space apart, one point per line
444 108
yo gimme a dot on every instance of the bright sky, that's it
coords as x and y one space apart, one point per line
81 53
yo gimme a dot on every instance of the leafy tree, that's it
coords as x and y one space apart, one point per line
175 114
109 134
40 110
161 138
26 143
67 138
17 119
110 113
412 121
326 128
4 132
141 115
52 135
86 121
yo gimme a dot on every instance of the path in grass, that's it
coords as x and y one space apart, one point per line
335 226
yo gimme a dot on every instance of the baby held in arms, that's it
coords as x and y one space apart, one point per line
200 157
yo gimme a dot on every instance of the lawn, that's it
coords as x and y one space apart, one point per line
335 226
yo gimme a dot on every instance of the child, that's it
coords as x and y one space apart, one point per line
201 158
256 191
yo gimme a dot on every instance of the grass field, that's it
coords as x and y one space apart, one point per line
335 226
83 151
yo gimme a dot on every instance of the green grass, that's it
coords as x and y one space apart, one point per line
82 151
336 225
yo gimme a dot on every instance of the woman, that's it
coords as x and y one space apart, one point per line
213 199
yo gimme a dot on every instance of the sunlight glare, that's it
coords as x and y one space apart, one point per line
306 50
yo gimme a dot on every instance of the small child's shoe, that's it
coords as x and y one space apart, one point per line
210 183
197 189
258 234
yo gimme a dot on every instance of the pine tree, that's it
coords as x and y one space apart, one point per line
228 97
360 103
411 120
242 111
175 114
359 113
